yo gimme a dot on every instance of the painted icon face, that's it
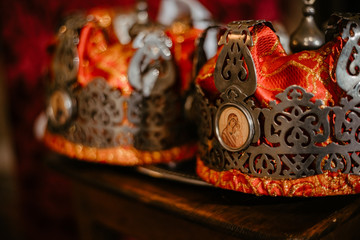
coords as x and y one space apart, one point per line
233 128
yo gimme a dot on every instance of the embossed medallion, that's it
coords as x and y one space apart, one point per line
60 108
233 127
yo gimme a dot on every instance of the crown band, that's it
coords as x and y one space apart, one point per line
295 137
102 117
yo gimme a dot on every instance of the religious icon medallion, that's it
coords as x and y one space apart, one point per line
60 108
234 127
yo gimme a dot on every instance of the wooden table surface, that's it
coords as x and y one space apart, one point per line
121 200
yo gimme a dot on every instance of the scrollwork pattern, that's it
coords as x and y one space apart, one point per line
158 119
100 116
235 65
299 137
347 68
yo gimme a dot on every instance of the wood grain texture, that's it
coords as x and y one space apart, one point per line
150 208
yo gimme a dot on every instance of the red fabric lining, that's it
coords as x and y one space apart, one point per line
312 70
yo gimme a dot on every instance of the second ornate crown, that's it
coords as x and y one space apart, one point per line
118 90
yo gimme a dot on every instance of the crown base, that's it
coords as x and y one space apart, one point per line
120 155
326 184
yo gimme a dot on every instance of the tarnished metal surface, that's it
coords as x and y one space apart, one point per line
151 69
158 119
347 69
66 60
155 105
235 57
200 56
122 25
99 118
291 138
307 36
152 123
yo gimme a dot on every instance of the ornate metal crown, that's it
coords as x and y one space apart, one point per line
283 147
112 102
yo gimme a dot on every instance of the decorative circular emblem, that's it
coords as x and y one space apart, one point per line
234 127
60 108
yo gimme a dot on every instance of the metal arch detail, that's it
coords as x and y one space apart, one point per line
235 65
151 70
347 69
66 60
155 104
